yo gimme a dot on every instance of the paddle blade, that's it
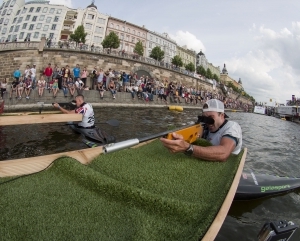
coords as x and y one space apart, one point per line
113 122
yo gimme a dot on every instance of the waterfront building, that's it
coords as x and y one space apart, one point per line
94 23
163 41
201 60
187 55
128 33
31 20
226 79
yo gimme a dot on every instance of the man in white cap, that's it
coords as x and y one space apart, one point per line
225 136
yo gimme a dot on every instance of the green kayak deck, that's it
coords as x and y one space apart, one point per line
142 193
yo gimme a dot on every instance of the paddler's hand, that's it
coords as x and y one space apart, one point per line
178 144
56 105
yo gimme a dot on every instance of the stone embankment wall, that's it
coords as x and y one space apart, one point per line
12 58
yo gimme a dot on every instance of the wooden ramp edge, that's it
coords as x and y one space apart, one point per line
219 219
34 119
35 164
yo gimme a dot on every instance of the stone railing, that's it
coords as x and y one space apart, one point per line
19 45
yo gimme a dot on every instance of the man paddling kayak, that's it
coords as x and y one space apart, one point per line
88 119
226 136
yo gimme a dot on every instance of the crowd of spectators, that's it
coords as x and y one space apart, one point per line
143 88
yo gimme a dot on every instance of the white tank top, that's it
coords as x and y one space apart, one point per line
87 112
232 130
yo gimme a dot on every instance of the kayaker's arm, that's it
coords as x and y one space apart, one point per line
63 110
210 153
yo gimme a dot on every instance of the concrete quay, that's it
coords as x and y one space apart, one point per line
123 99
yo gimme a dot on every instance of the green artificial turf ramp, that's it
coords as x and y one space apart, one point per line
144 193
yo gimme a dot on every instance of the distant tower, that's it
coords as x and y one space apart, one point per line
92 5
224 70
240 81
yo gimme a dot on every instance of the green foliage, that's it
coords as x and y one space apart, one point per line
242 92
157 53
216 77
177 61
111 41
78 35
139 49
201 70
209 74
190 67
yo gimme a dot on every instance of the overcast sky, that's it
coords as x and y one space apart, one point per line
259 41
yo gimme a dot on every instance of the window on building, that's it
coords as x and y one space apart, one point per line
20 19
11 29
132 40
15 19
21 35
4 12
4 30
2 5
45 10
99 29
58 11
121 36
97 39
0 28
27 17
1 20
38 9
17 28
138 33
51 35
6 21
9 12
52 10
112 25
13 3
48 20
24 26
31 26
117 27
133 31
34 18
143 35
8 37
43 35
31 10
18 12
24 10
46 27
90 16
128 30
38 26
36 35
101 20
7 3
150 37
127 38
88 26
56 18
28 35
53 27
42 17
123 28
150 45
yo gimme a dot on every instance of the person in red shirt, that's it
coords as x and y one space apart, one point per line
48 74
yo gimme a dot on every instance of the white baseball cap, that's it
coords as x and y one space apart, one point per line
214 105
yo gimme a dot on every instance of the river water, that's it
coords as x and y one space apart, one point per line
273 148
